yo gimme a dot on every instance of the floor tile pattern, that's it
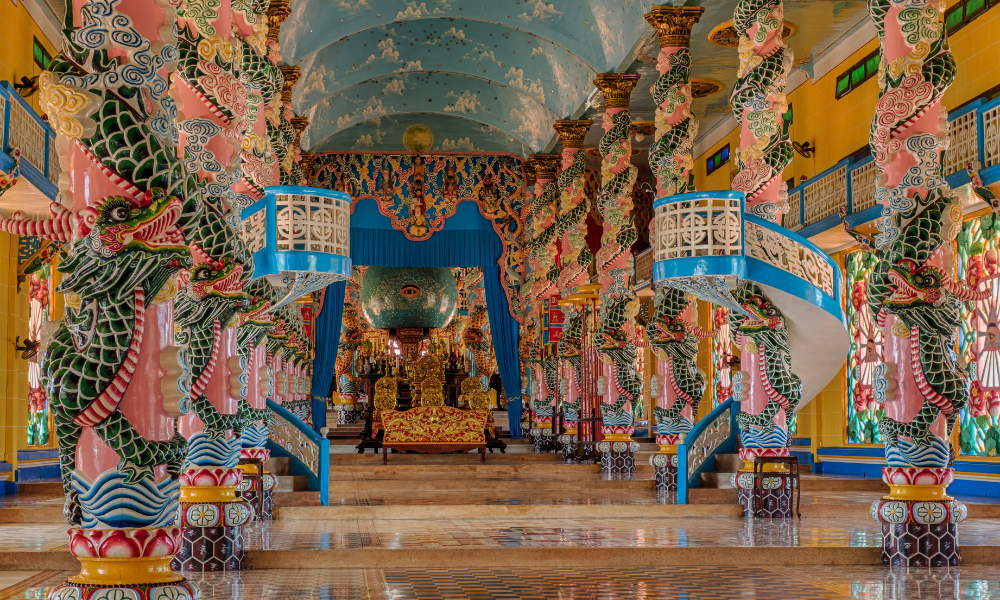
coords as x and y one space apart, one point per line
534 533
584 583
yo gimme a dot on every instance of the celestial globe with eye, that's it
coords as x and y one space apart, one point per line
408 297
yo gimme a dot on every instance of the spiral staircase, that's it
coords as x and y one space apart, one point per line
706 243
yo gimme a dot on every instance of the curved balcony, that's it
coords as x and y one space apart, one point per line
300 238
705 243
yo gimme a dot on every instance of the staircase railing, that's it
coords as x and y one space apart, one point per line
714 434
309 451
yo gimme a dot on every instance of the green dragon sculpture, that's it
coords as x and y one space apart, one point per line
764 328
919 217
675 340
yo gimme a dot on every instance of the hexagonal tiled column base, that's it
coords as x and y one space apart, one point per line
665 468
915 545
569 444
348 417
666 478
266 514
776 503
618 465
211 549
542 437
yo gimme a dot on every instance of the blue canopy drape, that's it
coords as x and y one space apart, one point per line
467 240
327 341
506 333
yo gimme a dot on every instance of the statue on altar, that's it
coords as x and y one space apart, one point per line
418 220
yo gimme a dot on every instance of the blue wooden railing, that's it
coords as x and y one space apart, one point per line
717 433
309 451
22 128
974 135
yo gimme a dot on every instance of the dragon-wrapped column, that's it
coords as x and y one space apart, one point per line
619 385
679 386
576 260
911 293
544 284
257 486
759 104
122 191
768 388
347 397
225 81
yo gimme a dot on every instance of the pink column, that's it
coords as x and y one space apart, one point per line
112 399
911 293
615 331
758 103
576 260
671 161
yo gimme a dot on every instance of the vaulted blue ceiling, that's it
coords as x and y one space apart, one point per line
493 75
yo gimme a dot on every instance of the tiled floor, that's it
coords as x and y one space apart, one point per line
485 583
30 500
534 533
582 533
562 497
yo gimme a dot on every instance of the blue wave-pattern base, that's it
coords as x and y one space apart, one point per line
613 418
544 410
907 454
108 502
254 436
203 451
571 416
670 428
753 437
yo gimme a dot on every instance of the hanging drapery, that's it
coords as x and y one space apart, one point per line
459 248
505 332
467 240
327 340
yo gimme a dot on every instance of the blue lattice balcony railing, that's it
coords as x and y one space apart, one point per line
973 137
22 128
705 243
300 238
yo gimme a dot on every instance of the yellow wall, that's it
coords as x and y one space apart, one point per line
16 46
13 368
838 128
976 48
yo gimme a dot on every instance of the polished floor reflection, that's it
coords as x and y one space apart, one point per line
591 583
354 534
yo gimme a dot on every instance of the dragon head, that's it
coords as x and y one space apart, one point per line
256 313
223 280
762 315
121 243
913 285
149 224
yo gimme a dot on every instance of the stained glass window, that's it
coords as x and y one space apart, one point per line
979 339
38 315
713 162
861 72
722 353
866 343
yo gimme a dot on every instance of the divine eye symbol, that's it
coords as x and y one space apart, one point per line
410 291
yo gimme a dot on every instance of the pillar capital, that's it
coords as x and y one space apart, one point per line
307 166
646 128
277 12
572 133
616 88
299 125
674 24
291 75
529 173
545 165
